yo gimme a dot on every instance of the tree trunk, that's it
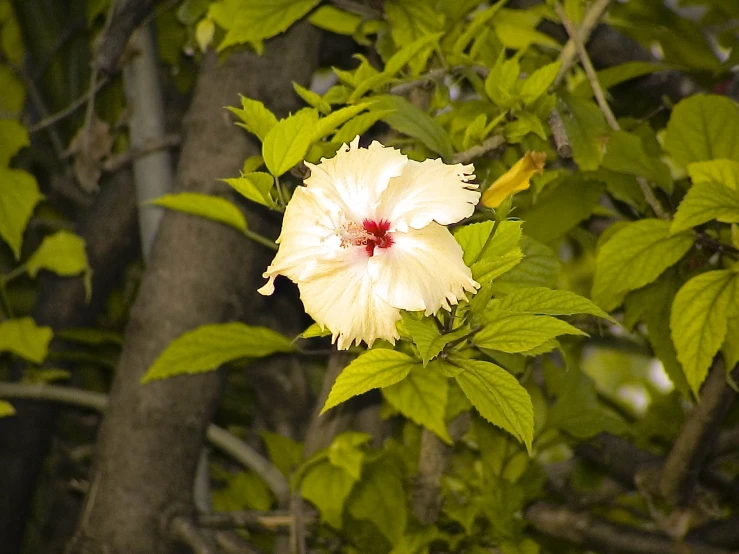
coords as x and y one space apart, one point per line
200 272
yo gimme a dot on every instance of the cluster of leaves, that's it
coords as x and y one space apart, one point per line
652 270
459 80
61 252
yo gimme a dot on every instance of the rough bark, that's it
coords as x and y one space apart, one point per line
109 230
200 272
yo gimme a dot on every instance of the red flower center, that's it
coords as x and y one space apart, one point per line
378 236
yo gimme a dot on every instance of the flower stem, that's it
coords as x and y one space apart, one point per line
6 312
452 314
463 338
487 242
264 241
280 194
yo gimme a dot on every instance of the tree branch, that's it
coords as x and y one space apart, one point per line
253 519
600 98
217 436
488 145
559 133
568 54
184 531
584 530
698 435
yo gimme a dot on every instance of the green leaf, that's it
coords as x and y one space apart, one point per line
544 301
501 254
540 267
371 370
725 172
327 487
586 130
314 330
398 60
409 120
345 453
703 127
578 410
653 305
283 451
245 490
479 21
19 195
499 398
256 118
287 143
625 153
327 125
256 20
699 321
524 124
730 348
63 253
13 137
422 397
335 20
6 409
705 201
634 256
513 333
26 339
208 347
379 497
358 125
203 205
255 186
560 208
538 82
411 19
313 99
500 84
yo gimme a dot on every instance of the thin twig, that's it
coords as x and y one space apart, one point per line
424 80
488 145
116 162
183 530
583 529
252 519
217 436
69 110
231 543
569 53
559 133
600 98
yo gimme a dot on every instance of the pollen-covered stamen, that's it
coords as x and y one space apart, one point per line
371 234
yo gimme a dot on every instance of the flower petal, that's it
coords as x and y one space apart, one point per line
516 179
339 295
355 178
308 234
429 191
422 270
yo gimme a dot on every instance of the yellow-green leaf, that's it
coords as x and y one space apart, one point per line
703 127
287 143
208 347
26 339
254 186
203 205
725 172
699 320
519 332
63 253
6 409
705 201
374 369
538 82
499 398
544 301
634 256
255 117
13 137
19 195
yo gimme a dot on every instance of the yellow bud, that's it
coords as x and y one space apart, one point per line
515 179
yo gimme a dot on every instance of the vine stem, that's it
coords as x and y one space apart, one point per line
600 98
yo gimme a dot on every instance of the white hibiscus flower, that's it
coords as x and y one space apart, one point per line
365 238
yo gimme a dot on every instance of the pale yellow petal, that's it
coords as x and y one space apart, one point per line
339 295
422 270
429 191
355 178
516 179
308 234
